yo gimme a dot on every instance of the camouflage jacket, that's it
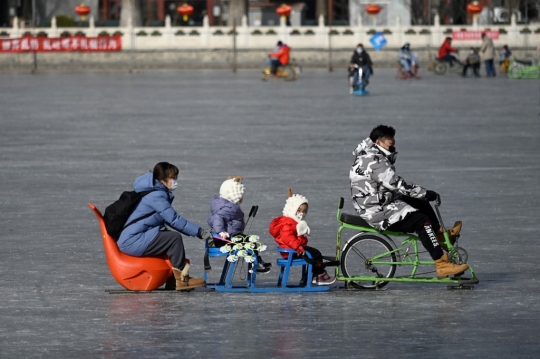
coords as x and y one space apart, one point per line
376 189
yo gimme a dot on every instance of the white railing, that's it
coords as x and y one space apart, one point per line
307 37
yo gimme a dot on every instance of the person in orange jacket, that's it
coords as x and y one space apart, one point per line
280 56
445 52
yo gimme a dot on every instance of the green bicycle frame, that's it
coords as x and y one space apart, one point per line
403 253
518 70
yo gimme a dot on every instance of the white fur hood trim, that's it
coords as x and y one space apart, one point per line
292 204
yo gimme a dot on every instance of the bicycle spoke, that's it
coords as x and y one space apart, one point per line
358 257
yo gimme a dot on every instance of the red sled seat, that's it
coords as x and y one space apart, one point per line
133 273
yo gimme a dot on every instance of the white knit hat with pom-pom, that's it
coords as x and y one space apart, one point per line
292 205
232 189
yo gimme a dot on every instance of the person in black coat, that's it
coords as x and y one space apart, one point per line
360 59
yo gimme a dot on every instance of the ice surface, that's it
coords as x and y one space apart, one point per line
67 139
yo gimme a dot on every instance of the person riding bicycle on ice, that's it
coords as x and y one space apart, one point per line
408 59
360 59
445 52
279 57
387 202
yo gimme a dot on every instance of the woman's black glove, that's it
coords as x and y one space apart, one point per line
204 234
431 196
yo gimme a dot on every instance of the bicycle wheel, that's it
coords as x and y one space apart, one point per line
356 260
440 68
289 74
516 72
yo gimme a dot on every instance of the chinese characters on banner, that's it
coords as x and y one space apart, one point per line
474 35
62 44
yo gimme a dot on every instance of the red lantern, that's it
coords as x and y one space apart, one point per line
83 10
474 8
185 10
284 11
373 9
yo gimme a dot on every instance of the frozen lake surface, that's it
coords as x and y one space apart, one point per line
67 139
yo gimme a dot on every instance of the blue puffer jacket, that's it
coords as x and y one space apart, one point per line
225 216
135 239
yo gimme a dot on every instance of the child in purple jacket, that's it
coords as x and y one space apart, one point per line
227 218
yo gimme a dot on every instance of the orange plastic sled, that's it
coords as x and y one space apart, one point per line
133 273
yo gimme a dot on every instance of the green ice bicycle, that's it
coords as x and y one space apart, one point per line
370 258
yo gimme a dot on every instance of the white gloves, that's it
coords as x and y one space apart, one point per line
302 228
224 235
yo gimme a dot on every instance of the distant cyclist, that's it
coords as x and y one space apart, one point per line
446 50
360 59
279 57
408 59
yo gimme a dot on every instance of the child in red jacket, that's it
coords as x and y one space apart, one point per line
291 230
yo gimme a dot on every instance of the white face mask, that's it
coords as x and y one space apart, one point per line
300 216
174 185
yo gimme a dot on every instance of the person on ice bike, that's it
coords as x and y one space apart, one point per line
445 52
359 59
387 202
279 57
408 59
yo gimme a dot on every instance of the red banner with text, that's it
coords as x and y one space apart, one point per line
474 35
62 44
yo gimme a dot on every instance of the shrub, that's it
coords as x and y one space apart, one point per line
309 32
295 32
141 33
525 31
64 21
410 32
105 34
218 32
155 33
425 32
193 33
387 32
65 34
270 32
348 32
80 33
179 33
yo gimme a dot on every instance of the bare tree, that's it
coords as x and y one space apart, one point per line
237 8
131 9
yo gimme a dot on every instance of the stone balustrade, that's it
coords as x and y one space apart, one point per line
303 37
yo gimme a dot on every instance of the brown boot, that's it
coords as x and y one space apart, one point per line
453 234
184 281
444 268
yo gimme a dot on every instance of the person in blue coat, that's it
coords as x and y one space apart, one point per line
149 236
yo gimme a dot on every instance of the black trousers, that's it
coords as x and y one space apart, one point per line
171 244
316 256
475 67
422 222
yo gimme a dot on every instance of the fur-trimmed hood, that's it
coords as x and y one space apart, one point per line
292 205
